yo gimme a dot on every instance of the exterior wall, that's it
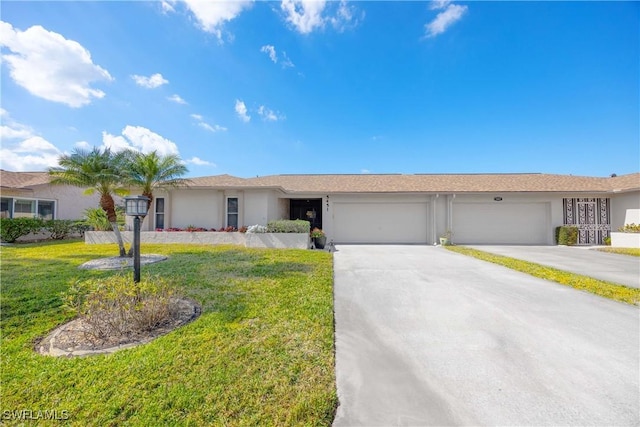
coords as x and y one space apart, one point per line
70 201
620 203
256 208
200 208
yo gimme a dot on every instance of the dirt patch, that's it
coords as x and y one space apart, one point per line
120 263
72 338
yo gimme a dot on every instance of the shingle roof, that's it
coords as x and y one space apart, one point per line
428 183
22 180
393 183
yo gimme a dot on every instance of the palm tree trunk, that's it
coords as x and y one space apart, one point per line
116 230
107 204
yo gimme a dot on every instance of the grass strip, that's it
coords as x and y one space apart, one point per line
261 353
622 251
603 288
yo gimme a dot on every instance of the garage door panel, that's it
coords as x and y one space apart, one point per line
501 223
373 222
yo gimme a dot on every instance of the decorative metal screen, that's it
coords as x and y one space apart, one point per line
591 216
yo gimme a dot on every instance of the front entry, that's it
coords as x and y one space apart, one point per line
308 210
591 216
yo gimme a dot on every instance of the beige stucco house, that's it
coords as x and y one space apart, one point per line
395 208
417 209
29 194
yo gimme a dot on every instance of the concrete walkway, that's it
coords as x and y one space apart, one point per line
425 336
623 269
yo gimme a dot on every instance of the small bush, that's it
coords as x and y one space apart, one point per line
61 228
567 235
630 228
289 226
115 307
607 240
257 229
13 228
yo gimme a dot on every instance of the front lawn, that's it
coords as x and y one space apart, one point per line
261 353
623 251
605 289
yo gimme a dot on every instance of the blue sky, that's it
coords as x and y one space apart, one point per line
259 88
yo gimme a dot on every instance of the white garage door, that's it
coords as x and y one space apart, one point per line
380 222
501 223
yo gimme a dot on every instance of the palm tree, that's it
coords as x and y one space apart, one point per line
151 171
96 170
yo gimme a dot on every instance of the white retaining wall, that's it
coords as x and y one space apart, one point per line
625 240
250 240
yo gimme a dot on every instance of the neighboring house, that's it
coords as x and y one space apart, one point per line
477 208
29 194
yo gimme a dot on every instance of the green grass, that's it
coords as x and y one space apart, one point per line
623 251
610 290
261 353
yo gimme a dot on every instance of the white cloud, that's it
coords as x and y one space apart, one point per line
151 82
269 115
271 51
32 154
207 126
451 14
308 15
141 139
50 66
273 55
83 145
241 109
365 171
16 132
177 99
167 7
212 15
304 15
199 162
345 17
439 4
286 62
214 128
11 129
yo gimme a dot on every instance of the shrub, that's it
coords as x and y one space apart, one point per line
96 218
289 226
257 229
607 240
115 307
630 228
13 228
567 235
61 228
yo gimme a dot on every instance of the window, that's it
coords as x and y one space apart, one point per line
24 208
6 208
232 212
45 209
160 213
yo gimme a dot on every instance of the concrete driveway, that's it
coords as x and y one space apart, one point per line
425 336
615 268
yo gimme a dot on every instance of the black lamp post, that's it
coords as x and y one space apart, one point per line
136 206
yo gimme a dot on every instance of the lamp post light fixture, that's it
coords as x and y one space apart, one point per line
136 206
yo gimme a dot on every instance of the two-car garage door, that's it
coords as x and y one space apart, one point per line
381 222
501 223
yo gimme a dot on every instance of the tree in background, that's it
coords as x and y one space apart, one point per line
96 170
151 171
